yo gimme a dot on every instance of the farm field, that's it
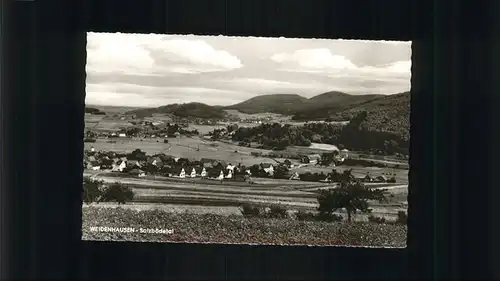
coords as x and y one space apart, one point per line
229 195
184 147
259 183
232 229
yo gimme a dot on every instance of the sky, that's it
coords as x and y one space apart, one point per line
151 70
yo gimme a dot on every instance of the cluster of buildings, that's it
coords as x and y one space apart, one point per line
338 157
168 165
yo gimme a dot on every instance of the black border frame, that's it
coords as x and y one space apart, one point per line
43 215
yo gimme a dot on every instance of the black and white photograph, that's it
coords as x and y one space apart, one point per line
246 140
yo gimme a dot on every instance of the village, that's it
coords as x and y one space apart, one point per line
139 164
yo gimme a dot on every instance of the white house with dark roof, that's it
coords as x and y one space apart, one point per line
203 172
229 174
221 175
295 176
119 166
268 168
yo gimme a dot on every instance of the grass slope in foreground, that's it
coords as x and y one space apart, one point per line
211 228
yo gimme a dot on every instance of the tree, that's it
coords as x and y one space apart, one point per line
117 192
91 189
281 172
138 155
351 195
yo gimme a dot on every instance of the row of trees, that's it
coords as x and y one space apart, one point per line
169 130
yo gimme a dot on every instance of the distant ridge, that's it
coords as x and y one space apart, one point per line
279 103
385 113
292 104
193 109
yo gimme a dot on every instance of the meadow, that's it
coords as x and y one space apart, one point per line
183 147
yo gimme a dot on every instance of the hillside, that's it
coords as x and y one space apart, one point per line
390 114
324 105
300 106
335 97
282 104
194 110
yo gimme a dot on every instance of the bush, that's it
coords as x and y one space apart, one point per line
305 216
117 192
402 218
392 180
329 217
91 190
277 211
248 210
375 219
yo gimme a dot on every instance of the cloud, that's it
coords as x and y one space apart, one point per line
267 84
118 54
123 94
395 68
151 54
195 52
312 59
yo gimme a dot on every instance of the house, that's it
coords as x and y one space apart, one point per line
203 173
327 179
221 175
229 174
166 169
177 134
155 161
193 173
179 172
219 165
339 159
230 167
313 158
122 135
119 166
367 178
268 168
295 176
133 164
381 179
